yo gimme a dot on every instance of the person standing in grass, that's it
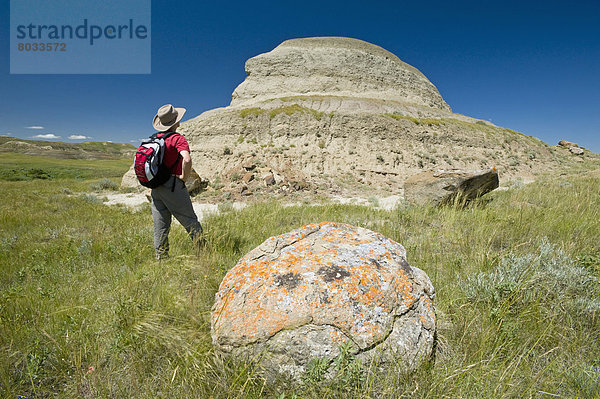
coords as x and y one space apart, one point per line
172 198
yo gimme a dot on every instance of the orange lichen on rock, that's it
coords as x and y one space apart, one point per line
347 281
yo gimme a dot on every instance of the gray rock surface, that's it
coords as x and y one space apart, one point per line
269 180
576 150
443 186
301 295
248 177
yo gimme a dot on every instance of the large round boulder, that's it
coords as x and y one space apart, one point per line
308 293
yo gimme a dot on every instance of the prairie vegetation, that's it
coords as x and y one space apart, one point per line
85 311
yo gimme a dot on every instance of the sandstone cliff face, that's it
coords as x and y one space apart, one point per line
334 66
342 116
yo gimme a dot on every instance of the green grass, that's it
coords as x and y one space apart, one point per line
85 311
100 147
245 112
288 110
479 125
418 121
493 133
14 167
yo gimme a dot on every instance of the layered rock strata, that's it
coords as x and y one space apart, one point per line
340 116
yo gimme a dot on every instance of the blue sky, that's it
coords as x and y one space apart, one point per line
528 66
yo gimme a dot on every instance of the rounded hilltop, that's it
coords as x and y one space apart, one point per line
334 67
336 116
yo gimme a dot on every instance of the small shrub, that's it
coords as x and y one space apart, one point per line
380 159
216 184
316 371
227 151
24 174
38 174
104 184
91 198
321 143
548 278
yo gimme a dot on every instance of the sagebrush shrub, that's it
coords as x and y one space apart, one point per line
549 277
104 184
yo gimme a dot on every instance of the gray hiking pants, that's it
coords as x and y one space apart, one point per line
177 203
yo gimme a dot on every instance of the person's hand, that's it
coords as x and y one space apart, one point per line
181 177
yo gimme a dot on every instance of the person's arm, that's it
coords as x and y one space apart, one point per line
186 165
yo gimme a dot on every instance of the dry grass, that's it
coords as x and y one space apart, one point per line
85 311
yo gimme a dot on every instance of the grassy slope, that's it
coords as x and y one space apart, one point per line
85 311
16 167
89 146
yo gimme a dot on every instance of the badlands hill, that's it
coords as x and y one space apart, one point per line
91 150
336 115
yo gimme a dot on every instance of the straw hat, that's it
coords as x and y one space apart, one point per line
167 116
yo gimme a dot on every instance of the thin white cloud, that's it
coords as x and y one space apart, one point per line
78 137
8 134
35 127
46 136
